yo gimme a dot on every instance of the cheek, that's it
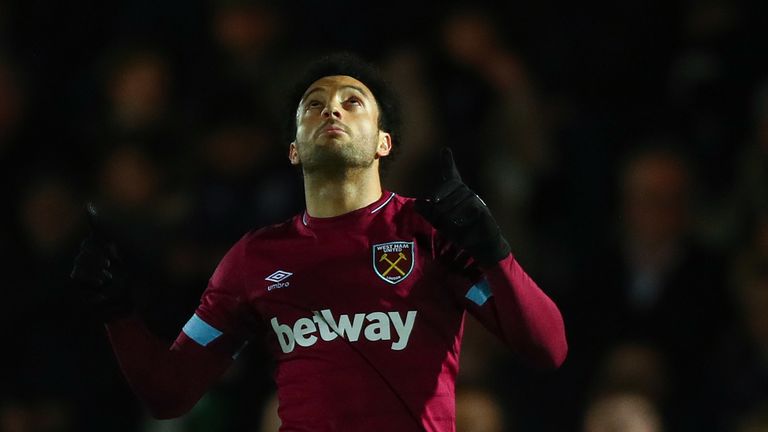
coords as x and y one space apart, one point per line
299 131
367 126
303 128
305 122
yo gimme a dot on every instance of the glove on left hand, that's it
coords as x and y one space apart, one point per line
462 217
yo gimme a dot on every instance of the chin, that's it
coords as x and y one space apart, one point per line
331 140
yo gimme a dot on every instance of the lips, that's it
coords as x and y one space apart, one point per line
333 128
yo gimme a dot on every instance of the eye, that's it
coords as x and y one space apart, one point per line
355 100
314 104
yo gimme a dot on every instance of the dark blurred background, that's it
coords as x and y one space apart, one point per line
623 148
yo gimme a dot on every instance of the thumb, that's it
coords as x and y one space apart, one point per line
448 169
92 213
96 223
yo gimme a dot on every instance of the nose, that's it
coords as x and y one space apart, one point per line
331 109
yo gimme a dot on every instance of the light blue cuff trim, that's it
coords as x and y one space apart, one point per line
200 331
480 292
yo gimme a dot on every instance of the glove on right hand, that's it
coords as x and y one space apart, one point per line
99 274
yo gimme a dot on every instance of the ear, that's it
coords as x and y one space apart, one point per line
385 144
293 154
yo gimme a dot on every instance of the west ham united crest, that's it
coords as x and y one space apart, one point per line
393 261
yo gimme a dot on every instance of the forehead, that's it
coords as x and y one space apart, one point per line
335 82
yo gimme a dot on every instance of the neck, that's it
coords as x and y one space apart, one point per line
329 195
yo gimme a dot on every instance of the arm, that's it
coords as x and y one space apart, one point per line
506 300
169 381
510 304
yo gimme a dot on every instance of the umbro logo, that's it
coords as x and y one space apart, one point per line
278 277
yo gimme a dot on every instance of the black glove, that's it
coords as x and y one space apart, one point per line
462 217
99 275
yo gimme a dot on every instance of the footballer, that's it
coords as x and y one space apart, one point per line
361 298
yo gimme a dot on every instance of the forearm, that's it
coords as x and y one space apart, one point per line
529 320
168 381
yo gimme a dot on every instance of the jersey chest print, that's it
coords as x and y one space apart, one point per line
392 262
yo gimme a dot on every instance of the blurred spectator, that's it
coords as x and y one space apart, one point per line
656 264
744 382
45 416
49 216
477 410
133 192
637 368
625 412
245 29
633 381
130 180
755 421
139 107
138 91
656 284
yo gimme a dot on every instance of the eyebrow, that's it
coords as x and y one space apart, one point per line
348 86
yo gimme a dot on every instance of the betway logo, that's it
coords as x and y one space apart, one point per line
375 326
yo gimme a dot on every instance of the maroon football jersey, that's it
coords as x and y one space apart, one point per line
363 313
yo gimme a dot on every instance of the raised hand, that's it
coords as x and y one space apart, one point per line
98 272
462 217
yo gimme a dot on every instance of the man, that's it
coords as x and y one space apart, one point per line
361 298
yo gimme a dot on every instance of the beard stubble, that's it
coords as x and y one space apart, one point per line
337 157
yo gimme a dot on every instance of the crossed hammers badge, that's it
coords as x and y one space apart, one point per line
393 261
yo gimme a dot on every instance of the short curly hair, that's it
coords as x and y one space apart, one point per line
349 64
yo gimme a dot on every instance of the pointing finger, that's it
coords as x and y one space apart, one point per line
94 221
448 169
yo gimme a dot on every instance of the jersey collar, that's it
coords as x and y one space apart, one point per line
351 218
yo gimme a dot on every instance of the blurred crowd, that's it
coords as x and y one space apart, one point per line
623 149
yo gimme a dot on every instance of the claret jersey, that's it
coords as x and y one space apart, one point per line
363 313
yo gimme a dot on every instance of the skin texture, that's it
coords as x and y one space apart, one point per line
338 144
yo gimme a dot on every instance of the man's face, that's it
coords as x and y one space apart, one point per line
337 126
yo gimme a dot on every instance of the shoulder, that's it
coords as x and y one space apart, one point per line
260 240
278 231
253 248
